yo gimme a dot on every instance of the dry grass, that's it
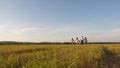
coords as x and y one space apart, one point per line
60 56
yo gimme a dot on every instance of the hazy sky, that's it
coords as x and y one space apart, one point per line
59 20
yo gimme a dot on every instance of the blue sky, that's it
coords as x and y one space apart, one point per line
59 20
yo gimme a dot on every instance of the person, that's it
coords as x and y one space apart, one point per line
77 40
82 39
72 40
85 40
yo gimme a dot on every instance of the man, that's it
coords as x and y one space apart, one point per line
85 40
82 39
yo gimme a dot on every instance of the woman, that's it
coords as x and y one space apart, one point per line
72 40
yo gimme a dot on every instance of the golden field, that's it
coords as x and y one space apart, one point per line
60 56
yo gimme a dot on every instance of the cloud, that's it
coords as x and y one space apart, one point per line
23 30
116 30
69 29
4 28
58 34
17 29
106 36
21 33
63 33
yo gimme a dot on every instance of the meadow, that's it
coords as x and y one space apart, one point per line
60 56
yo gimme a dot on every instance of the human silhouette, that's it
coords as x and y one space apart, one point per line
72 40
77 40
82 39
85 40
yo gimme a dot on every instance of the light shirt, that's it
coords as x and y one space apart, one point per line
82 38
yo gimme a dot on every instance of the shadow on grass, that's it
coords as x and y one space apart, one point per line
110 59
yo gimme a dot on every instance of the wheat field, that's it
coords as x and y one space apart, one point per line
60 56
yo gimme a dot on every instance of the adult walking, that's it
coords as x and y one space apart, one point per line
85 40
82 39
72 40
77 40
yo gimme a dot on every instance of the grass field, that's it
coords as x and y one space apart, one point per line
60 56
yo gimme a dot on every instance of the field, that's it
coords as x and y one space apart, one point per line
60 56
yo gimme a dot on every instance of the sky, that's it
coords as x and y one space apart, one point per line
59 20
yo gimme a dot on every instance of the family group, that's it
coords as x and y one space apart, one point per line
82 40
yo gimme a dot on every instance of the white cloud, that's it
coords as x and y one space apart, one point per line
46 33
4 28
15 32
106 36
63 33
116 30
17 29
22 30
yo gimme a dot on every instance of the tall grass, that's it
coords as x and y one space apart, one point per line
60 56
